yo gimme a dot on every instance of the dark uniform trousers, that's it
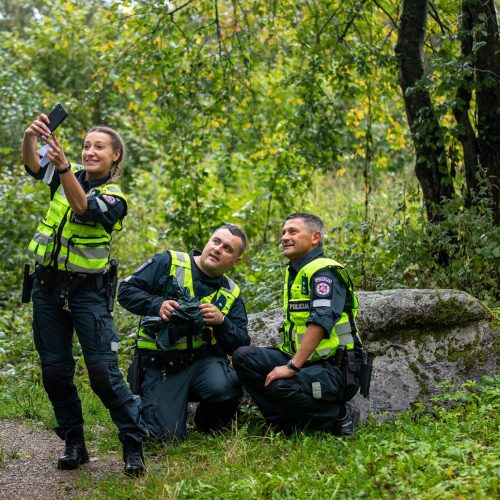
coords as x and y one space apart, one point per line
53 334
209 381
307 399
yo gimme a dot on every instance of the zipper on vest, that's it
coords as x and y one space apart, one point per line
55 255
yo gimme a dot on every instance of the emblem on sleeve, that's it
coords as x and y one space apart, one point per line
110 200
323 289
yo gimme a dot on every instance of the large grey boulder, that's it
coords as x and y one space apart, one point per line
419 337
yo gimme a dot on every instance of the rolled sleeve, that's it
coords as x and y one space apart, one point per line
328 296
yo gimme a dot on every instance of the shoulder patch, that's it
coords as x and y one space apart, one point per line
143 266
110 200
322 286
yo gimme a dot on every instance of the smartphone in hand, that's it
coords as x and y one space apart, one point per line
56 117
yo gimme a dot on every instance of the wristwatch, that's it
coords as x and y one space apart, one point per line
290 365
67 168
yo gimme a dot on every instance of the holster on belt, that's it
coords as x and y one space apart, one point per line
352 368
28 280
349 362
365 377
134 373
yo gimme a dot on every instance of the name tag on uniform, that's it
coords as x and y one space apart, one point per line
299 305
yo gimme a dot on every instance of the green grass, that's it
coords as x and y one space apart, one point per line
448 451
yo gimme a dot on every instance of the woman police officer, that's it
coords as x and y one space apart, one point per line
71 248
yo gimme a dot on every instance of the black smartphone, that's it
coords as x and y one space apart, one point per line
56 117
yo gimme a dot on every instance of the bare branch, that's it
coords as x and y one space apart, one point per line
395 24
435 15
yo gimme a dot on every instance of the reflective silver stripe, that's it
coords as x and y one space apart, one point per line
343 328
88 253
322 303
232 285
344 334
103 242
113 189
78 269
181 256
300 338
323 352
102 205
345 339
180 272
41 238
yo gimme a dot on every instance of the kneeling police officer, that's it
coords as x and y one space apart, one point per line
192 365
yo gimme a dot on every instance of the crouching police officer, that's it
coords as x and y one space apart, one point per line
315 371
193 367
70 289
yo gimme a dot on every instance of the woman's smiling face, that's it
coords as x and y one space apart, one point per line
98 155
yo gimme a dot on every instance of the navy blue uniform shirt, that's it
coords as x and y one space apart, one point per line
107 209
142 294
326 287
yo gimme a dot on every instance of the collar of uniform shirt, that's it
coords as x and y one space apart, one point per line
91 183
309 257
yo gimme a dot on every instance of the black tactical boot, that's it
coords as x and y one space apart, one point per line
75 452
133 458
345 426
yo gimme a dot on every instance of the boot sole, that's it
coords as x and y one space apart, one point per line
69 465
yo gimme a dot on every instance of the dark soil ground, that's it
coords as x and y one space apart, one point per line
28 464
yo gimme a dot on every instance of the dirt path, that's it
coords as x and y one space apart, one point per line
28 458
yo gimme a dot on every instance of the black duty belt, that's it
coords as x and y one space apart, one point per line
174 360
51 277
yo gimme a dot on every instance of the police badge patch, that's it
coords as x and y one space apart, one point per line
323 286
323 290
110 200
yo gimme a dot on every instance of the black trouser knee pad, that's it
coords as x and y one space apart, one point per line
111 394
58 382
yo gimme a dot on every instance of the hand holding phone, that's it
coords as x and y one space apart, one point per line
56 117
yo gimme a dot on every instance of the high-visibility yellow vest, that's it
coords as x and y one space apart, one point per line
223 299
297 311
75 245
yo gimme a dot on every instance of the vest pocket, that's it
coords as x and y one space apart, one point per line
84 254
42 245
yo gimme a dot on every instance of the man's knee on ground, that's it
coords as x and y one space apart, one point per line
107 384
58 382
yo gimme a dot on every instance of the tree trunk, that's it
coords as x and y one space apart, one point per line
461 111
487 66
431 165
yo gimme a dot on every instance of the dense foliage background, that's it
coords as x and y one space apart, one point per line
380 119
244 111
